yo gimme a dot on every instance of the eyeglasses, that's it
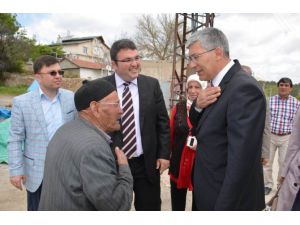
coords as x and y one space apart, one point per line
116 104
130 60
54 73
195 57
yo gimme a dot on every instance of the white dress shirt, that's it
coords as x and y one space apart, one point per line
133 87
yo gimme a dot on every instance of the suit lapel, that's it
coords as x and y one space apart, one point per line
142 87
226 79
38 111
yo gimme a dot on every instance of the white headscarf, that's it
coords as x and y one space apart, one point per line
194 77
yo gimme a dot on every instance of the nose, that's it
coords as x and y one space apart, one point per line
192 64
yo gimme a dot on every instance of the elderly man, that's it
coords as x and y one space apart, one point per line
81 172
227 173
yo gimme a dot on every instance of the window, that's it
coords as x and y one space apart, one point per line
85 50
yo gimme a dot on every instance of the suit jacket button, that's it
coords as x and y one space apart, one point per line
295 184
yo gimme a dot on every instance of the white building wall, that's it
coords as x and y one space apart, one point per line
90 74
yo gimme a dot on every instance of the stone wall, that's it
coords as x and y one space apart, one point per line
14 79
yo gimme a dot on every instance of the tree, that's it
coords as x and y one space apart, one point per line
14 45
155 36
39 50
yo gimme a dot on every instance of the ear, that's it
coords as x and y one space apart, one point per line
114 64
37 76
219 52
94 107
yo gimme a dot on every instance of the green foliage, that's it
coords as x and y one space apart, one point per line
15 47
39 50
14 90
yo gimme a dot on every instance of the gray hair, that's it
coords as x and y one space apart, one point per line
210 38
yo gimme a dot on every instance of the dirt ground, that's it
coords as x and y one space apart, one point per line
12 199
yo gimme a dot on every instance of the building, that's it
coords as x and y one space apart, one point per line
91 49
77 68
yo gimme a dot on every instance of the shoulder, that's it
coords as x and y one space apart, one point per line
66 92
244 82
147 78
25 97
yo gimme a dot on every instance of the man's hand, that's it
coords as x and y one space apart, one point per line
121 157
264 161
162 165
280 180
18 181
207 96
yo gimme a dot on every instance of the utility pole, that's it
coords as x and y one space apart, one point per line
185 25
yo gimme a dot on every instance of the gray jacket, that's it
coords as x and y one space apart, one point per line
291 169
81 172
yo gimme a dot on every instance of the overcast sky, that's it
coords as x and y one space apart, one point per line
269 43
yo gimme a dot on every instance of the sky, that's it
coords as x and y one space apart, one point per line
267 42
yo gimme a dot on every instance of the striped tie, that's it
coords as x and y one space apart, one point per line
128 124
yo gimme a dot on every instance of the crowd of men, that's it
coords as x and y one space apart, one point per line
94 149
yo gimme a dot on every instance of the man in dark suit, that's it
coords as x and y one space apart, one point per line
229 119
145 124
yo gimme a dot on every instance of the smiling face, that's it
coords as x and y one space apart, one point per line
193 90
284 89
128 64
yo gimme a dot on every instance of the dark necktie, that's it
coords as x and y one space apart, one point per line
128 124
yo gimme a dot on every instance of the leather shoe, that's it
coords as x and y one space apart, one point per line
267 190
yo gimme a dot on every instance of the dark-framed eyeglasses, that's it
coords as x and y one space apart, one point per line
130 60
53 73
194 57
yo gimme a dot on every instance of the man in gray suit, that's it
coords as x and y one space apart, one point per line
35 118
289 194
81 172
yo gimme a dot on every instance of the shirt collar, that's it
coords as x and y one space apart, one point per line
120 81
217 80
43 95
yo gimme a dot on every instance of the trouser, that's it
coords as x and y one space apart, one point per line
280 143
296 205
178 197
146 193
33 199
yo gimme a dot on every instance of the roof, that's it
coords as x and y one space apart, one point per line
83 39
86 64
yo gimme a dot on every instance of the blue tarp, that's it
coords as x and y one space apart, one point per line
4 127
4 113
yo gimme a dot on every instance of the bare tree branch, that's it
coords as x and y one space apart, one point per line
155 36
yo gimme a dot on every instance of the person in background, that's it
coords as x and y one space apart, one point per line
81 172
145 134
289 193
182 156
283 108
265 154
35 118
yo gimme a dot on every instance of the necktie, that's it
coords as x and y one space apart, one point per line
128 124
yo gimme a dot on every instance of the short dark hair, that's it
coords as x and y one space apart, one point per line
119 45
285 80
44 60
